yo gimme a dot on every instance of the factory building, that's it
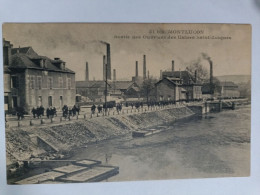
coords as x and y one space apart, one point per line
94 90
32 80
176 85
169 89
229 89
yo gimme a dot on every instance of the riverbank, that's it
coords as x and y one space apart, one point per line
53 141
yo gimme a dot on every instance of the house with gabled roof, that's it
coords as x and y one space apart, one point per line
169 89
187 81
37 80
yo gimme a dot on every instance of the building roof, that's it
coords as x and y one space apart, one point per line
91 84
170 80
7 43
122 85
186 76
24 61
228 84
83 84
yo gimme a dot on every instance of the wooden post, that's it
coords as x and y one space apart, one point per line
19 124
42 121
31 123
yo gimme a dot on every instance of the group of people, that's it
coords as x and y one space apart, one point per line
100 108
38 112
67 112
50 111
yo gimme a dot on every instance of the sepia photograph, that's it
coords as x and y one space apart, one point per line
110 102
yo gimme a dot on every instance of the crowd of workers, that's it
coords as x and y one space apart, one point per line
51 112
73 111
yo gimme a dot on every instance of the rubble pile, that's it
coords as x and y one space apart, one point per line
19 145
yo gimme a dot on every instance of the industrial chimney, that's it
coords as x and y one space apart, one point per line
211 77
211 72
148 76
114 74
144 68
136 69
195 76
172 65
104 67
87 73
108 62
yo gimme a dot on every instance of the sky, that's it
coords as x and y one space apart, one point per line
80 42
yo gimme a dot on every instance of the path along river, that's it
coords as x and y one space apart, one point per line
217 145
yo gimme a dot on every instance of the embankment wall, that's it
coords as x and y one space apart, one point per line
69 136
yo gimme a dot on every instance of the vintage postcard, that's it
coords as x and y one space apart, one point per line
126 102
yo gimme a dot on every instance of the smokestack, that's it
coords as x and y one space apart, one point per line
148 74
144 68
206 57
114 74
104 67
136 68
211 77
195 76
172 65
7 46
160 74
108 62
211 72
87 73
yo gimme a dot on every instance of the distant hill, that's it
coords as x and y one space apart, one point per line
235 78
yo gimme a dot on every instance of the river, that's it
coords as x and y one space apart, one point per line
215 145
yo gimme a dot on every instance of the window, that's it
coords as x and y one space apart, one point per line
39 100
69 83
15 82
39 82
50 101
61 101
50 82
60 82
32 82
15 103
6 100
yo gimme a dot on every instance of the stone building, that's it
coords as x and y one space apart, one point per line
32 80
186 81
169 89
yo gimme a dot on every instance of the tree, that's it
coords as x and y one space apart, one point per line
147 88
202 72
